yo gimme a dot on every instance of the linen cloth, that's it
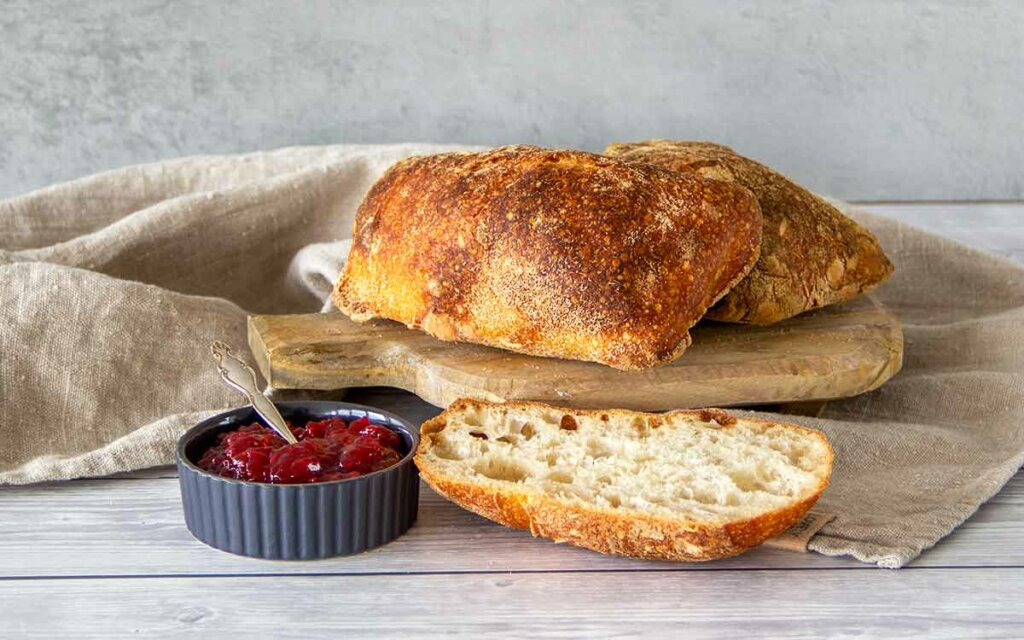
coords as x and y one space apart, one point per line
112 288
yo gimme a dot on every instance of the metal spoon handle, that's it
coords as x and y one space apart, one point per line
240 376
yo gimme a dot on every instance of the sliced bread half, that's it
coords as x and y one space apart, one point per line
686 485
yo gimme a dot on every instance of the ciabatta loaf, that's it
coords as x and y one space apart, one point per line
551 253
811 254
686 485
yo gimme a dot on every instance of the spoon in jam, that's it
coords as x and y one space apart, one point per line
240 376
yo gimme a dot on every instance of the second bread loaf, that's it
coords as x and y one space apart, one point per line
811 255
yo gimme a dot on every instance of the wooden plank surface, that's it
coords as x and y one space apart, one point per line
135 527
132 525
939 603
833 352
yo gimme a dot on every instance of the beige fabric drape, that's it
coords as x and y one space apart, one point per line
112 288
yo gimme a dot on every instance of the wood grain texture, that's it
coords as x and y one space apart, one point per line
117 527
833 352
785 604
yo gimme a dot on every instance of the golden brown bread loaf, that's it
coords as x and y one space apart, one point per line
551 253
811 254
684 485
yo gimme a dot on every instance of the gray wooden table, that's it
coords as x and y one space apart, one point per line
111 557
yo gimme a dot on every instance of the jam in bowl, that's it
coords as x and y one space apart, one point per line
328 449
346 486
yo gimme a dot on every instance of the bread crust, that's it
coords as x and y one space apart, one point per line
611 531
546 252
811 256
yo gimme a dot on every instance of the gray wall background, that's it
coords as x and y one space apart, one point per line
858 99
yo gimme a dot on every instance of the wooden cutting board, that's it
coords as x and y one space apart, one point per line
829 353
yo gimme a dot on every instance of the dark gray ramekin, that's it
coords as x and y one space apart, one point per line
298 521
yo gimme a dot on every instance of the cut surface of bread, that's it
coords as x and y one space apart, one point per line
552 253
685 485
811 254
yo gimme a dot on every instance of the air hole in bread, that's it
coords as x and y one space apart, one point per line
528 431
548 418
746 481
568 423
478 434
597 449
560 476
639 425
509 439
450 453
500 469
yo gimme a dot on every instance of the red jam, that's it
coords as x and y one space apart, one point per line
330 449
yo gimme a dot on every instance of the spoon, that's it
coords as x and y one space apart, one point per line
240 376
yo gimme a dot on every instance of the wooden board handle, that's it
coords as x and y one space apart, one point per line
327 351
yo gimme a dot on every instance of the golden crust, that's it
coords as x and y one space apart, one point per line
811 254
609 531
551 253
